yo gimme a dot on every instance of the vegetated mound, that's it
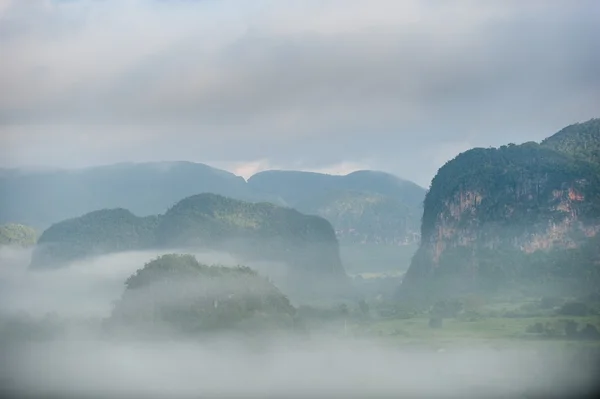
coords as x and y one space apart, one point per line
367 218
501 217
581 140
355 202
18 235
304 248
175 295
42 198
95 233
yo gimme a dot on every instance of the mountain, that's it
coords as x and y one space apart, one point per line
17 234
507 216
582 140
175 294
95 233
302 250
364 206
42 198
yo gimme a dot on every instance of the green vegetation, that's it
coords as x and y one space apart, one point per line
367 218
41 199
581 140
515 182
99 232
176 294
364 206
522 216
307 245
17 234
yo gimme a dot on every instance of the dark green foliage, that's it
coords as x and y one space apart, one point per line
175 294
516 183
574 309
17 234
252 231
564 329
435 322
488 209
582 140
550 302
397 310
589 332
571 329
99 232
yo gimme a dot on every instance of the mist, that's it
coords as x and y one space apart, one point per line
81 362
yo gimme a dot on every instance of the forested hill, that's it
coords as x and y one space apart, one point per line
303 250
364 206
581 140
492 215
175 295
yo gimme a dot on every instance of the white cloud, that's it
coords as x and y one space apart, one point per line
316 83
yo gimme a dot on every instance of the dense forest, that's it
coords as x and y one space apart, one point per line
496 217
178 296
304 245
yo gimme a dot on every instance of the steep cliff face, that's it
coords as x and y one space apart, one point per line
489 212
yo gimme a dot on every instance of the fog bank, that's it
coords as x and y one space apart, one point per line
86 363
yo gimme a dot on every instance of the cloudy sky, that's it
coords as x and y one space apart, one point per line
330 85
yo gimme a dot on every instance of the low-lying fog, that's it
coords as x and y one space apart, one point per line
81 364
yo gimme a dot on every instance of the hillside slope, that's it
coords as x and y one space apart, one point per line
175 295
302 250
499 217
42 198
364 206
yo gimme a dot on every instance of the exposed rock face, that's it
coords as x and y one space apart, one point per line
490 212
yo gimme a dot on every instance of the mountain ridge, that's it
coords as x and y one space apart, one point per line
490 213
302 250
42 198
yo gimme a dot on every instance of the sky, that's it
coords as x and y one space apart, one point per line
328 85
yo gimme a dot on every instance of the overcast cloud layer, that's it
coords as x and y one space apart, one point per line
330 85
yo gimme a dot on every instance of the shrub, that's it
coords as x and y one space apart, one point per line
574 309
589 332
550 302
435 322
571 329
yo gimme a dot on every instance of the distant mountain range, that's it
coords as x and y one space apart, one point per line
364 206
516 216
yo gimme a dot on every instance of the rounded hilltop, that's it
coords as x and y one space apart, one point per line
175 295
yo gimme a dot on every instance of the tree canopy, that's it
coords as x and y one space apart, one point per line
175 294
